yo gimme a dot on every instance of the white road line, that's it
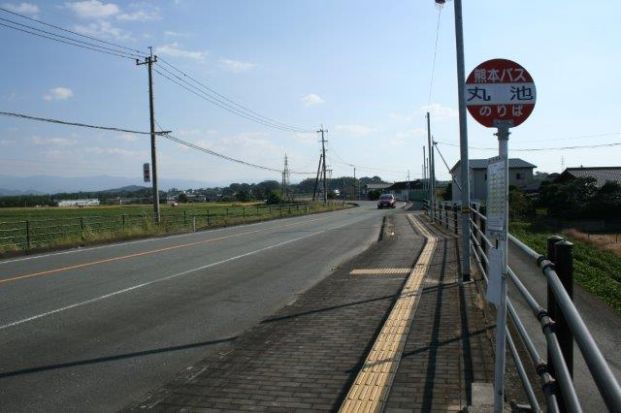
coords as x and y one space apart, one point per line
168 277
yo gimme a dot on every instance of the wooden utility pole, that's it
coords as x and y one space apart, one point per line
149 60
323 155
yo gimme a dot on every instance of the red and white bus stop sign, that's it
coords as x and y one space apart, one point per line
500 91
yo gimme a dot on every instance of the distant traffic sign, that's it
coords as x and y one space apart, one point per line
500 90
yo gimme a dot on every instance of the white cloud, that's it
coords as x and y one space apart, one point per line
103 29
58 93
174 50
354 129
140 15
438 112
235 66
172 33
312 99
127 137
93 9
401 138
37 140
28 9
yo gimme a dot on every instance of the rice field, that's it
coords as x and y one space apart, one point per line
34 229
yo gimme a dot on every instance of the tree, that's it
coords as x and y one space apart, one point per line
520 206
273 198
183 198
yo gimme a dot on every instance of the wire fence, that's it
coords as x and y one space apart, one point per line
561 322
36 234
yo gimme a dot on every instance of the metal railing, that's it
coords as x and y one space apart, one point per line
561 322
33 234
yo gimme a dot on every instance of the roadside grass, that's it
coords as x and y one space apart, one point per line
595 269
608 242
40 229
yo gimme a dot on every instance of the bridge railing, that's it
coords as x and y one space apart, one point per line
561 322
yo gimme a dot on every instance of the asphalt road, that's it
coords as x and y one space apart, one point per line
94 329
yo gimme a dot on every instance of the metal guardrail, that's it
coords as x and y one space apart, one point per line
561 322
32 234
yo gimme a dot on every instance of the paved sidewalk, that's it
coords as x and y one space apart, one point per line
306 356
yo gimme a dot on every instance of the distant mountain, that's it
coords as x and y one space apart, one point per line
16 192
128 188
44 184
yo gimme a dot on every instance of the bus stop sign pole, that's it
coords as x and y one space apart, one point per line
499 94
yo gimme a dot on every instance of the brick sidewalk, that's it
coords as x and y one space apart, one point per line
306 356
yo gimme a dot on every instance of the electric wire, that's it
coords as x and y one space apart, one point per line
71 43
179 81
77 124
232 102
92 45
435 55
603 145
141 54
191 145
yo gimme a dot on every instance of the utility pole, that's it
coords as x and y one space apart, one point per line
463 144
425 183
318 175
430 164
285 179
149 60
323 155
354 195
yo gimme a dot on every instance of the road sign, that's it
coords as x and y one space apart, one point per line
496 200
500 90
146 172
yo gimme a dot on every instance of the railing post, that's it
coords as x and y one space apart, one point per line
455 221
446 216
123 221
28 245
551 253
193 223
243 214
208 223
563 251
482 226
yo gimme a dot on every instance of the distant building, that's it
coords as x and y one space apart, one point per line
520 175
602 174
375 187
78 202
407 190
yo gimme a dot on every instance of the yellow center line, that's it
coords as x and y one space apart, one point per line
140 254
371 388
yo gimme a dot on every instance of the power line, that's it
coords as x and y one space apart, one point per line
73 32
78 124
232 102
435 55
71 43
603 145
220 103
88 44
226 157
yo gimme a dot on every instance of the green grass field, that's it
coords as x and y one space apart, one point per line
33 229
597 270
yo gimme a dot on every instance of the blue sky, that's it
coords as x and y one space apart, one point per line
361 68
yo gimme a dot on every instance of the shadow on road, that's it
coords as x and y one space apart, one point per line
114 357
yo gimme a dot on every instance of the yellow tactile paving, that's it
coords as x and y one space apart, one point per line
379 271
371 387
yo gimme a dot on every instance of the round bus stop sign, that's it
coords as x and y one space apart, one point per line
500 91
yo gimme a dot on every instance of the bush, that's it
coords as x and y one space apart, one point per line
273 198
